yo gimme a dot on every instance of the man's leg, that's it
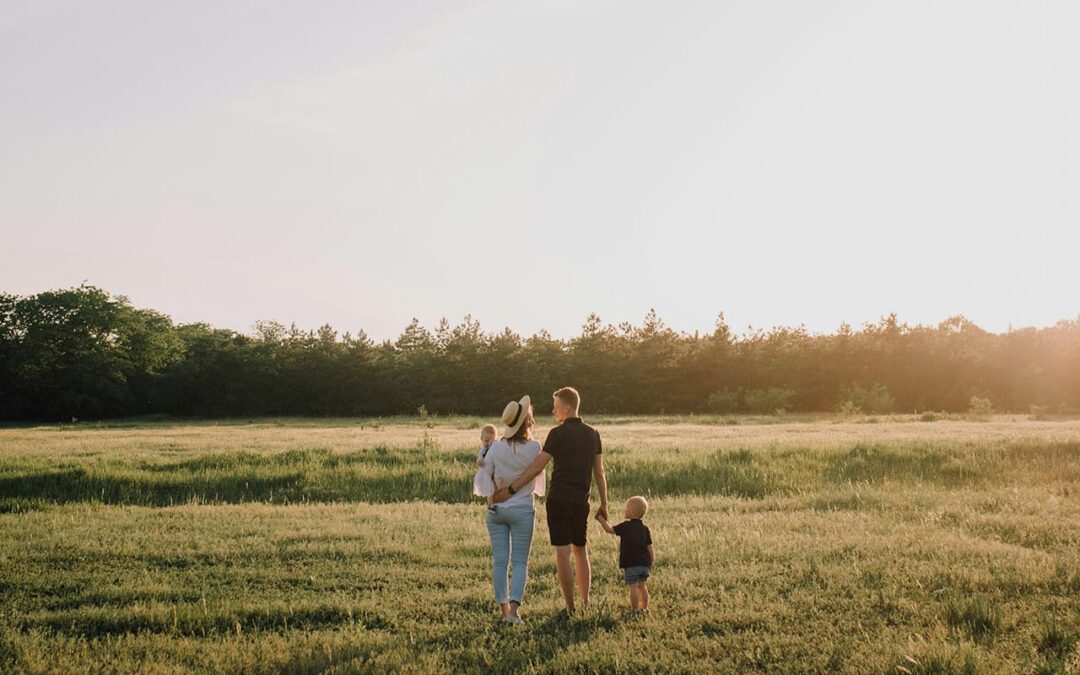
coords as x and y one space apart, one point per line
566 575
584 573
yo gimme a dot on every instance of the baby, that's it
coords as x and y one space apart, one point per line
483 484
636 554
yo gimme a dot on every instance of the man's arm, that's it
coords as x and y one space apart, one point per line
502 494
601 484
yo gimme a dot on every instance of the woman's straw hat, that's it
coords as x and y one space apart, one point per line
514 415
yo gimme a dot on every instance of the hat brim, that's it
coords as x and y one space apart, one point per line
510 430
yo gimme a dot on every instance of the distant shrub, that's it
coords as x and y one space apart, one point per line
1039 413
872 400
726 401
931 416
980 407
1045 412
849 408
771 401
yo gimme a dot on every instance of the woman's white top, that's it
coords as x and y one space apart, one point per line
506 461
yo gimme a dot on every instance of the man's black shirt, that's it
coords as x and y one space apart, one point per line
634 540
573 445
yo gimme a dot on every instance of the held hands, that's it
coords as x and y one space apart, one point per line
601 513
601 517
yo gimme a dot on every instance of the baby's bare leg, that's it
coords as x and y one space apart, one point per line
634 595
644 594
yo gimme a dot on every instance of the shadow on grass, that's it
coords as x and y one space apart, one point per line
521 648
192 620
118 598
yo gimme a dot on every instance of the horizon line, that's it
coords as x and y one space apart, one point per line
621 326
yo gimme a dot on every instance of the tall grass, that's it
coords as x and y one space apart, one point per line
376 475
426 472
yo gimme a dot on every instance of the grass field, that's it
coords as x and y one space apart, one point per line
927 544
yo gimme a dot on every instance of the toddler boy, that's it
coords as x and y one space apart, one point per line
636 554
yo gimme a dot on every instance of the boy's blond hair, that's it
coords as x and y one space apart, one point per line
638 506
489 428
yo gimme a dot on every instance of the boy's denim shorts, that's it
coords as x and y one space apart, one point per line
636 574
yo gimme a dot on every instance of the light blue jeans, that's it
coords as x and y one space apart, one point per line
511 530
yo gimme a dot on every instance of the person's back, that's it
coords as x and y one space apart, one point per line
574 446
577 453
507 460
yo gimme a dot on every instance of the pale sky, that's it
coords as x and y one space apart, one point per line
362 163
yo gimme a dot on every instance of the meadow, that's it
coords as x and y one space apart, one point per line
920 544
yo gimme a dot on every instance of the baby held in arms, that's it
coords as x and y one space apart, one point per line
483 483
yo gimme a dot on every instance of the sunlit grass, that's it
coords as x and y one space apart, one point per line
300 548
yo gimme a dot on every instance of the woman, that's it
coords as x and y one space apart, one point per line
510 523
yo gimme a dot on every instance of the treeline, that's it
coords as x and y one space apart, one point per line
83 353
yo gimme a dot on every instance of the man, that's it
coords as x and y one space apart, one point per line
576 449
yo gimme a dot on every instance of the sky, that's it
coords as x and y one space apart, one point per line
364 163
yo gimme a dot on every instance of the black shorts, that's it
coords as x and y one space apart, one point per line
568 523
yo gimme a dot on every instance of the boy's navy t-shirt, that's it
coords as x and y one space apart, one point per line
634 539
